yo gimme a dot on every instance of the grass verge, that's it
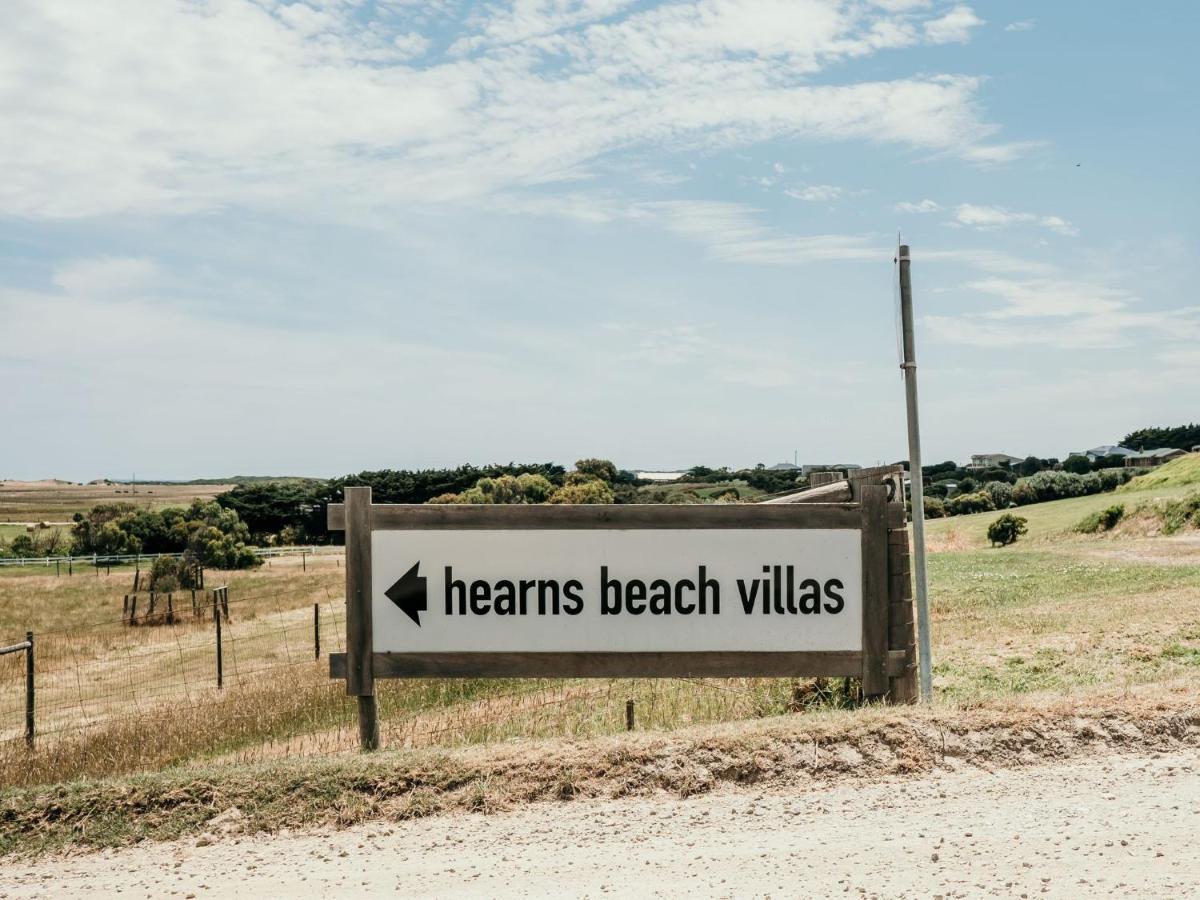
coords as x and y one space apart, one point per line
807 751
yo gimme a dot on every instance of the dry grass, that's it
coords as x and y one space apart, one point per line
1053 618
56 501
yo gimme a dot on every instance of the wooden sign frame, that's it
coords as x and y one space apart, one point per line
871 514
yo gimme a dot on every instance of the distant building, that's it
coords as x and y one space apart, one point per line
659 476
783 467
1102 451
991 460
844 468
1148 458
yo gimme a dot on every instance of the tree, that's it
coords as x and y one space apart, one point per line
1078 464
600 468
1183 437
1006 529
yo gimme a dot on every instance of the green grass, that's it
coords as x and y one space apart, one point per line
1047 521
1175 474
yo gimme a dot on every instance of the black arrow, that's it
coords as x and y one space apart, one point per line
409 594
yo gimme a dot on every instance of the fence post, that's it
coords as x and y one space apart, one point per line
70 565
220 656
29 695
629 714
316 630
303 562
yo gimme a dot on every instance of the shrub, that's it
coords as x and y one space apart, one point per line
1050 485
1101 520
1182 512
963 504
934 508
594 491
1001 493
1006 529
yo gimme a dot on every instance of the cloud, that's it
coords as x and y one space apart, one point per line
1065 315
954 27
924 206
733 233
321 109
1023 25
989 217
815 193
105 276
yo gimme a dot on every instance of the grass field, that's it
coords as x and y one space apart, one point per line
1059 615
55 501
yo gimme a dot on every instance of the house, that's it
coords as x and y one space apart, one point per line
991 460
1102 451
783 467
1149 458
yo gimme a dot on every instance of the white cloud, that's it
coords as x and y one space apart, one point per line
411 45
1065 315
815 193
924 206
732 233
105 276
954 27
988 217
1023 25
273 106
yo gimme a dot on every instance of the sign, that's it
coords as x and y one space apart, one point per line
606 590
625 591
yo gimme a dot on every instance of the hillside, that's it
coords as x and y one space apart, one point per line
1177 473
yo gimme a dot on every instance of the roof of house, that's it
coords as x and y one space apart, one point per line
1110 450
1157 452
782 467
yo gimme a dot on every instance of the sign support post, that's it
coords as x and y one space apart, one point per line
360 673
916 477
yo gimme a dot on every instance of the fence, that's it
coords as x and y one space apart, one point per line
252 683
98 560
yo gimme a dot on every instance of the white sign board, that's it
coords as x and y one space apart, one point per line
648 590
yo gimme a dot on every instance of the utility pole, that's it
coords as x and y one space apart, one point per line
916 477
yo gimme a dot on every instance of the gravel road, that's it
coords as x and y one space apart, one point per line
1123 826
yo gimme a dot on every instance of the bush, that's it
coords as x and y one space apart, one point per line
1101 520
1006 529
964 504
1182 512
1050 485
594 491
1001 493
934 508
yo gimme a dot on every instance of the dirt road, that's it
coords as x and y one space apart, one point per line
1120 826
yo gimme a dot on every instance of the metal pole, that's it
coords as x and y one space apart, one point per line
29 695
916 477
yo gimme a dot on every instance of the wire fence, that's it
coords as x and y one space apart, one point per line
96 560
248 680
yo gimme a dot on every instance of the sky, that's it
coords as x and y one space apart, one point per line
262 237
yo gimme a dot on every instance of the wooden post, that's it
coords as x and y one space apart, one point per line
29 692
873 503
133 610
629 714
170 608
70 565
57 568
316 630
304 562
220 656
360 680
901 630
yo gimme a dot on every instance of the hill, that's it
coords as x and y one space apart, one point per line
1177 473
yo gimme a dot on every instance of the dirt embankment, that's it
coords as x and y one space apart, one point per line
803 752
